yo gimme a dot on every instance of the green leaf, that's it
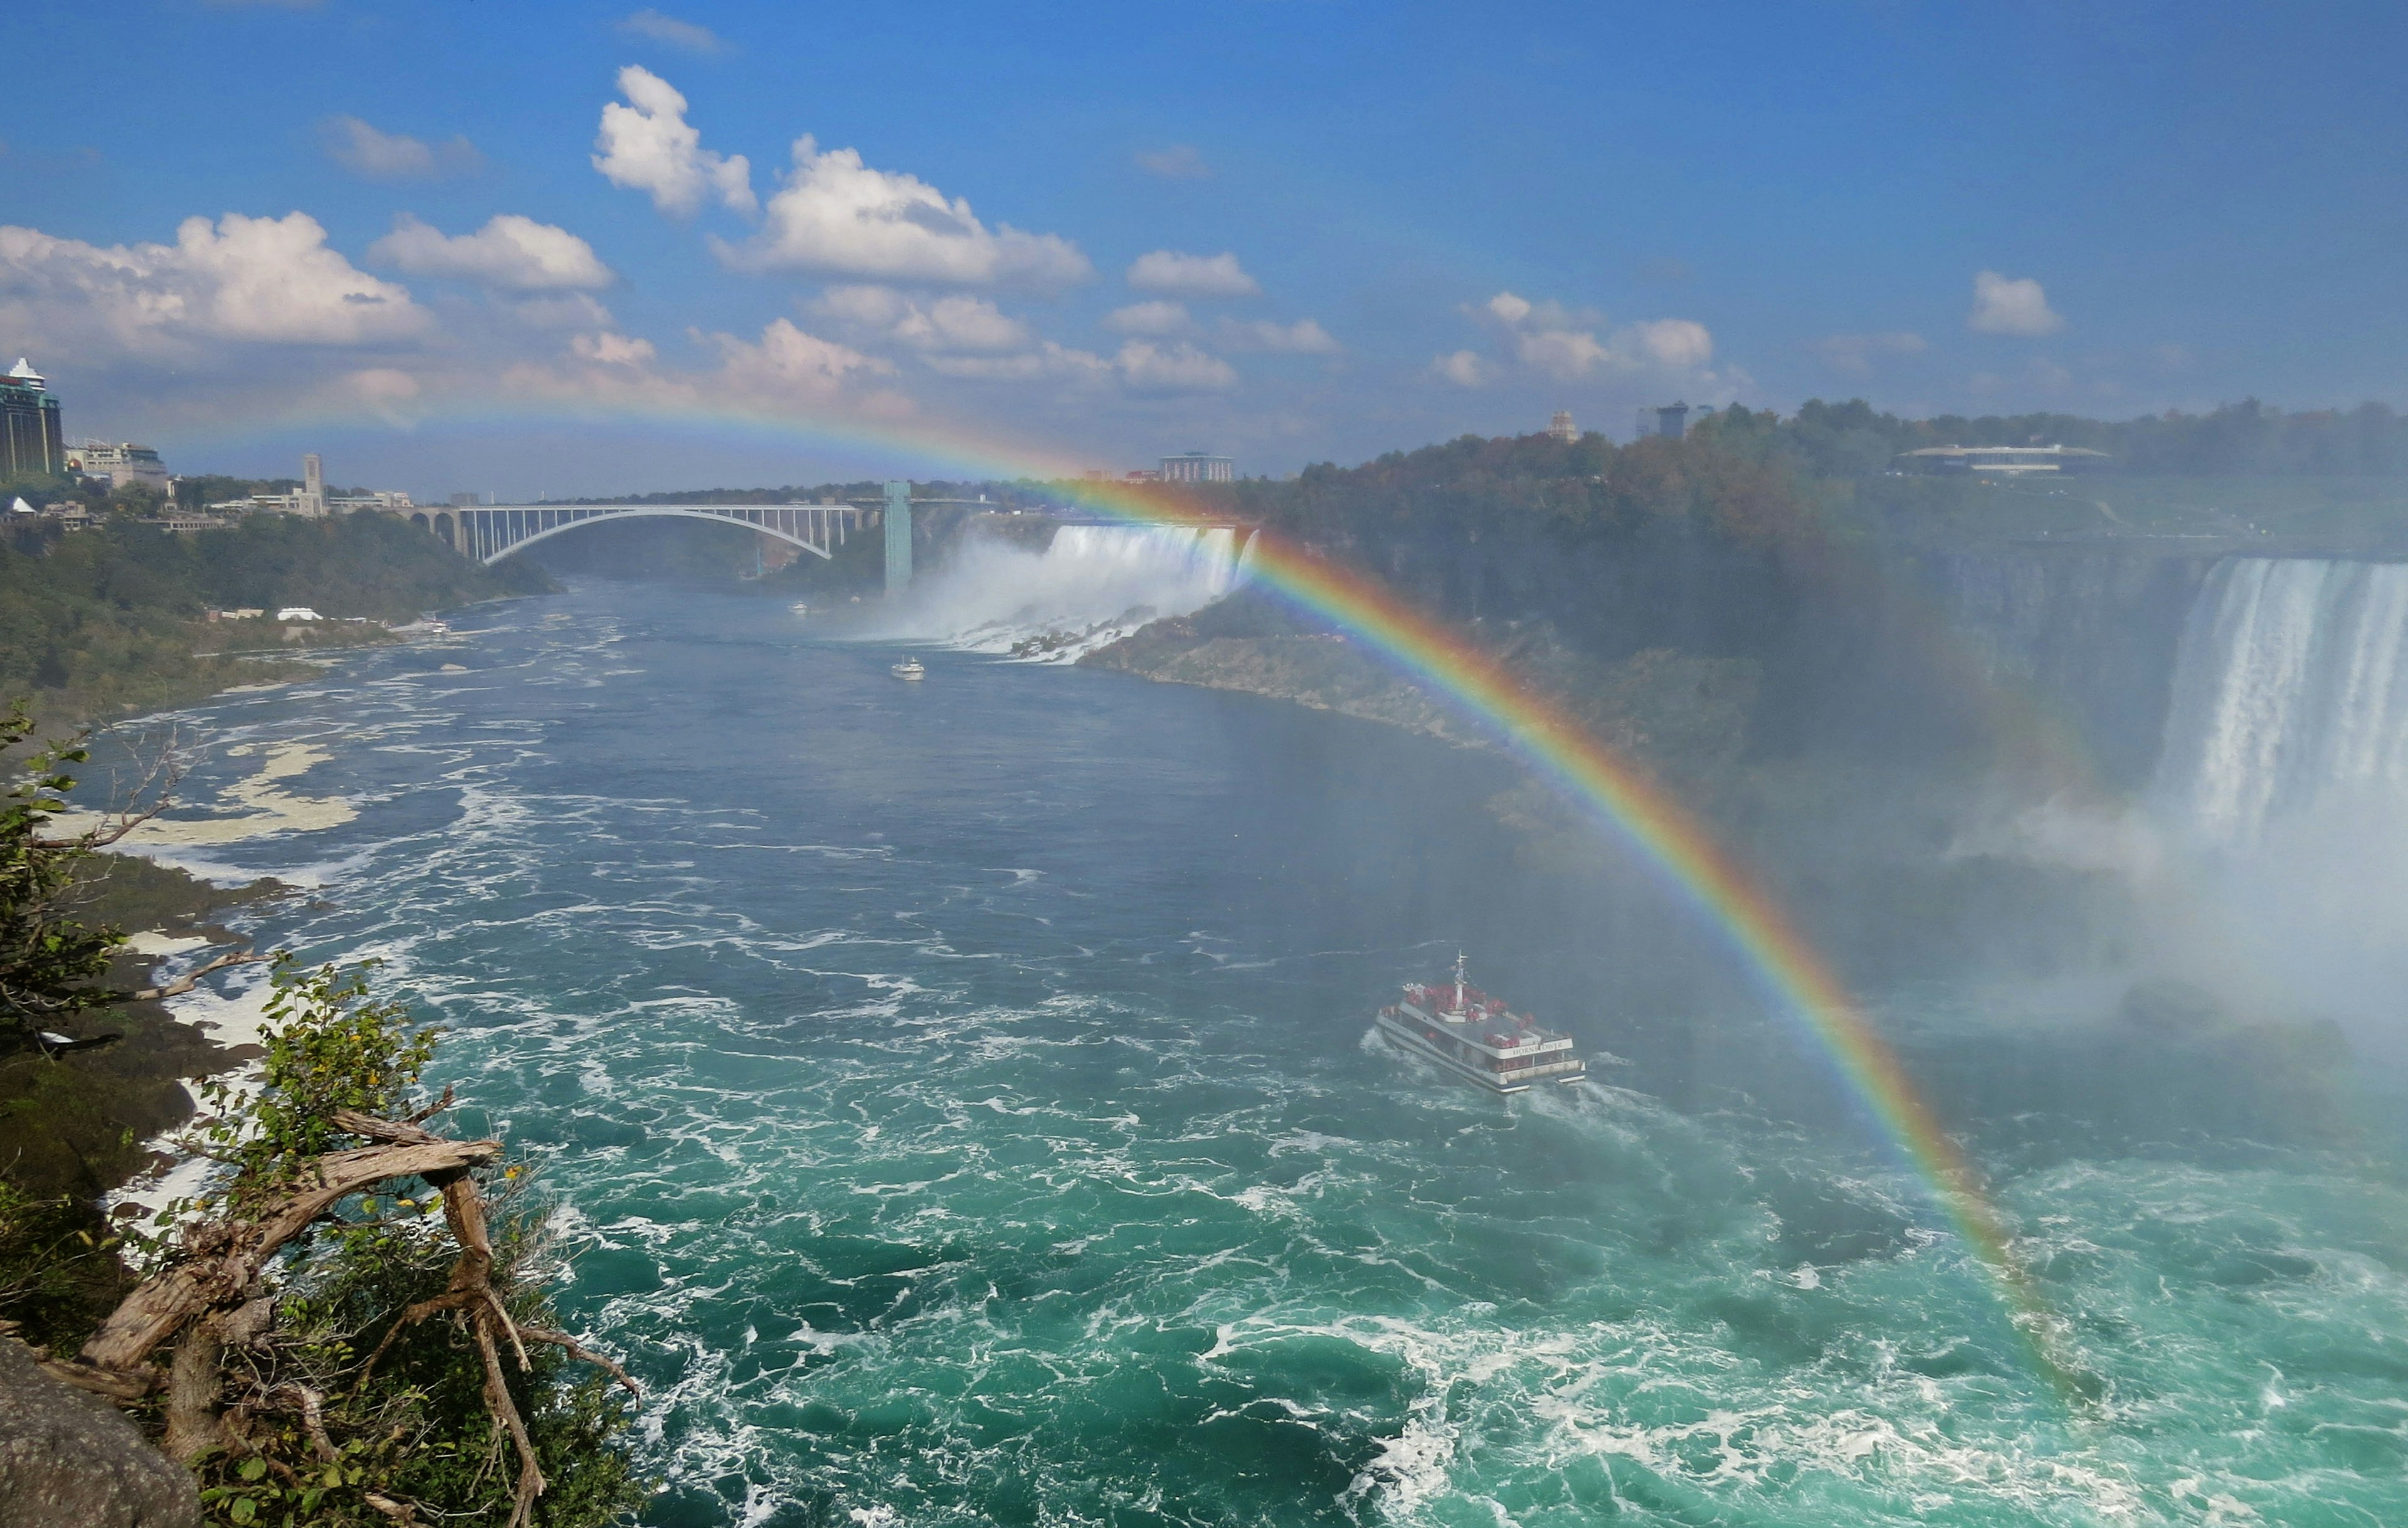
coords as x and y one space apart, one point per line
243 1509
253 1468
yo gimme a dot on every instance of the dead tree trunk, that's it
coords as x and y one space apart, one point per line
219 1274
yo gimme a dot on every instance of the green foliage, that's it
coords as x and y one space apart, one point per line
112 614
50 963
330 1046
1852 440
415 1429
58 1274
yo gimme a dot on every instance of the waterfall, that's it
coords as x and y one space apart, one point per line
1091 584
2291 698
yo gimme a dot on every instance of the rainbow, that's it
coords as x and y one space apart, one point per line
1645 817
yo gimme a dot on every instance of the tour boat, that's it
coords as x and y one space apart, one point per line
1476 1037
909 668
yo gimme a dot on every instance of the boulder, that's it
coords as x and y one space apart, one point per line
66 1457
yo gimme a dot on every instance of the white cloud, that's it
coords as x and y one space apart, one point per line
837 214
1179 162
385 390
2003 306
556 310
1564 354
271 281
1142 367
786 371
395 156
787 363
647 145
1147 367
1570 344
1154 318
953 323
1191 275
1464 368
1854 354
613 349
653 25
1049 361
510 252
1302 337
1678 344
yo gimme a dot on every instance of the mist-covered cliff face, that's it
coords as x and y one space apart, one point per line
2089 631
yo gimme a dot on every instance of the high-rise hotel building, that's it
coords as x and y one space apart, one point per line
30 438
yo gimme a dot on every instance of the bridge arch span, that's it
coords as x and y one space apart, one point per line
492 532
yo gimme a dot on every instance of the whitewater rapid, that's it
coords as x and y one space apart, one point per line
958 1098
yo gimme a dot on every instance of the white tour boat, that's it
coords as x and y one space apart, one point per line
1476 1037
909 668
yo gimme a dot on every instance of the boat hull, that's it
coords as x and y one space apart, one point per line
1411 1041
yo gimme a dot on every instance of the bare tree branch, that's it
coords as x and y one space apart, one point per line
191 979
226 1256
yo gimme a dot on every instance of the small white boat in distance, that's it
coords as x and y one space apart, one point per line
1474 1036
909 668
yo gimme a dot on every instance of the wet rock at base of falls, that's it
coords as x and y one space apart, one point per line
66 1457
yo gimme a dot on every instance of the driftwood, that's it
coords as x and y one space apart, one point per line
211 1299
191 979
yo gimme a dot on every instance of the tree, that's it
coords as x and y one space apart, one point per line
353 1311
50 962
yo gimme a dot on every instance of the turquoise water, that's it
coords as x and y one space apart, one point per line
963 1104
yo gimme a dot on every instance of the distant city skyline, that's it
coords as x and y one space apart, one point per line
593 252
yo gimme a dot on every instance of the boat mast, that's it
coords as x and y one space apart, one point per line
1459 981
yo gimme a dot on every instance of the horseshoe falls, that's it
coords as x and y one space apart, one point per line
2283 787
964 1107
2291 696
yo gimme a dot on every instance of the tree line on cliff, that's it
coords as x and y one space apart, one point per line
112 614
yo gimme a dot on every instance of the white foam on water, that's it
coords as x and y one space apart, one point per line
1091 586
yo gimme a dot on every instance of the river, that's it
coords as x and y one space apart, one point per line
961 1102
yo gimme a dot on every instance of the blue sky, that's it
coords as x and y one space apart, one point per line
1293 232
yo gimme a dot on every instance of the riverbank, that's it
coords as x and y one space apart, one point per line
78 1125
1680 716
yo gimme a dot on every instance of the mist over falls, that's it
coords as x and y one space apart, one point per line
1084 586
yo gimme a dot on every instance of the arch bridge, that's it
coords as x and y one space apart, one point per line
491 531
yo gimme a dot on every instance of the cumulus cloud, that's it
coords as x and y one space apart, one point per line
1179 162
1302 337
270 280
1154 318
1147 367
1142 367
1464 368
613 349
838 215
1570 344
395 156
510 254
1854 354
954 323
1180 275
786 369
654 27
647 145
787 364
2005 307
1680 344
